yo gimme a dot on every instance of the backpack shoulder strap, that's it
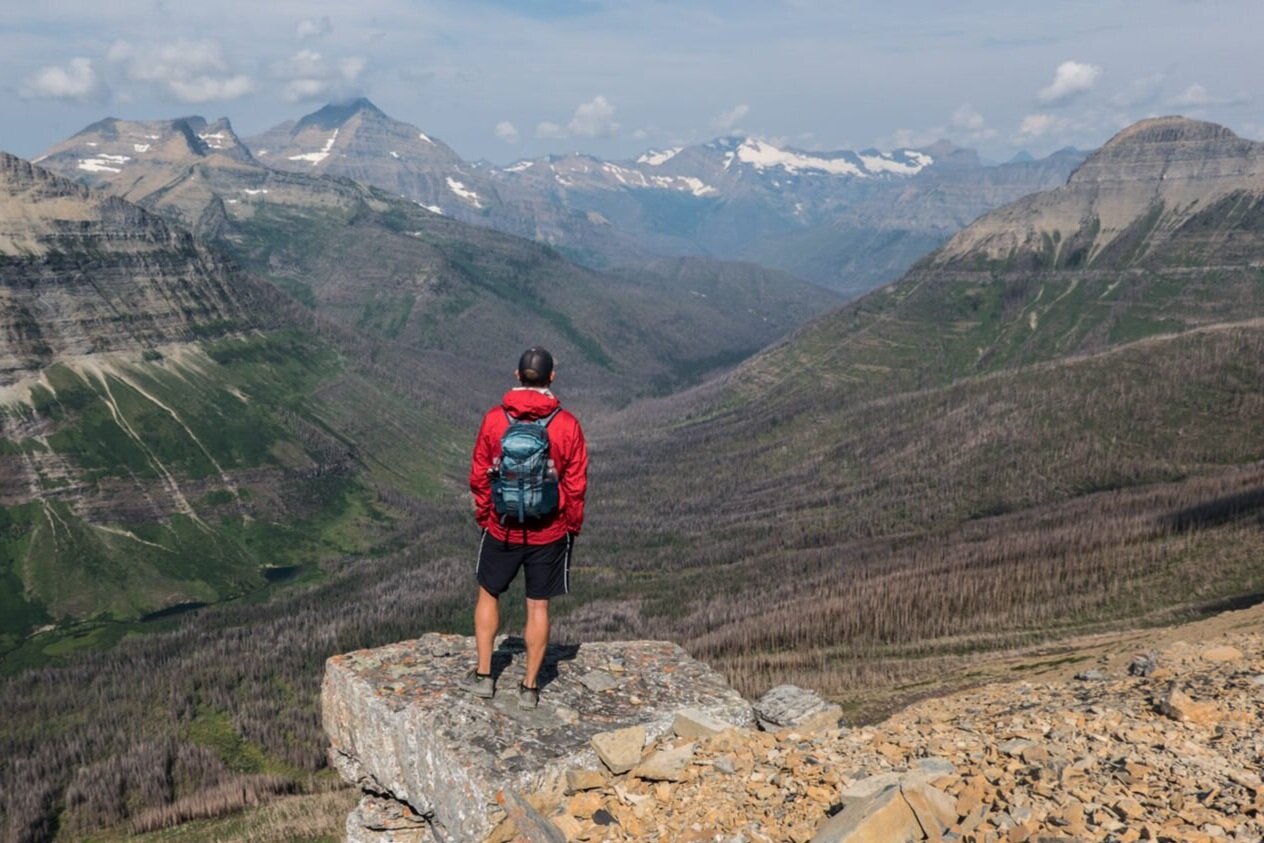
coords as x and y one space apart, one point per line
545 421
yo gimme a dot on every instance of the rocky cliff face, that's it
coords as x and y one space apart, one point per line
83 273
1160 188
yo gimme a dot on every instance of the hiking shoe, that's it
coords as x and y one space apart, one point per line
478 684
528 697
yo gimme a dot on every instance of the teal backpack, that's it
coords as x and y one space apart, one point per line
524 480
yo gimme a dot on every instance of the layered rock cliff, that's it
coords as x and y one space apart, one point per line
1164 182
83 273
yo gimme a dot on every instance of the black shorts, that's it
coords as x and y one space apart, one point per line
548 566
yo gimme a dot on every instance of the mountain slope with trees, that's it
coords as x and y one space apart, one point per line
172 431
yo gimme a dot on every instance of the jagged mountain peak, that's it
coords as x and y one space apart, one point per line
19 174
112 147
358 140
334 115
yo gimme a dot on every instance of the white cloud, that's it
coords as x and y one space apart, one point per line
308 75
594 119
1071 79
188 71
310 28
549 130
1035 125
77 80
507 131
967 118
965 125
301 64
1141 92
1197 96
911 138
351 68
210 89
730 118
640 134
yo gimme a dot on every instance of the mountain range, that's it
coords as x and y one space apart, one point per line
847 220
385 265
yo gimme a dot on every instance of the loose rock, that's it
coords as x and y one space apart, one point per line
692 723
621 749
665 764
792 707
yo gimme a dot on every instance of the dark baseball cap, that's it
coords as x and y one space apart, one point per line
535 366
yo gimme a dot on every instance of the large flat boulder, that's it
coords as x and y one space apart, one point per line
400 727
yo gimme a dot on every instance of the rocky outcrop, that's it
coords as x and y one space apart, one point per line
1115 758
401 728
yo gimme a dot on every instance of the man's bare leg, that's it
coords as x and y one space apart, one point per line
537 636
486 624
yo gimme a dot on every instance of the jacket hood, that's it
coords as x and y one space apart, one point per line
529 403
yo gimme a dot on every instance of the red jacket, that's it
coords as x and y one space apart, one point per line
567 449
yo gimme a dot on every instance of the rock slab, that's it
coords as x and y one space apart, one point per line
792 707
621 749
400 727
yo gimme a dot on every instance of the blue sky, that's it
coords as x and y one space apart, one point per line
502 80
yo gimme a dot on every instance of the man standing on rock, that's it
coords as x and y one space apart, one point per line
529 474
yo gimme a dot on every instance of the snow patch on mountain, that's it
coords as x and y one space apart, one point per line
464 192
316 157
422 135
885 162
519 166
216 140
763 155
689 183
394 154
656 158
920 157
103 163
